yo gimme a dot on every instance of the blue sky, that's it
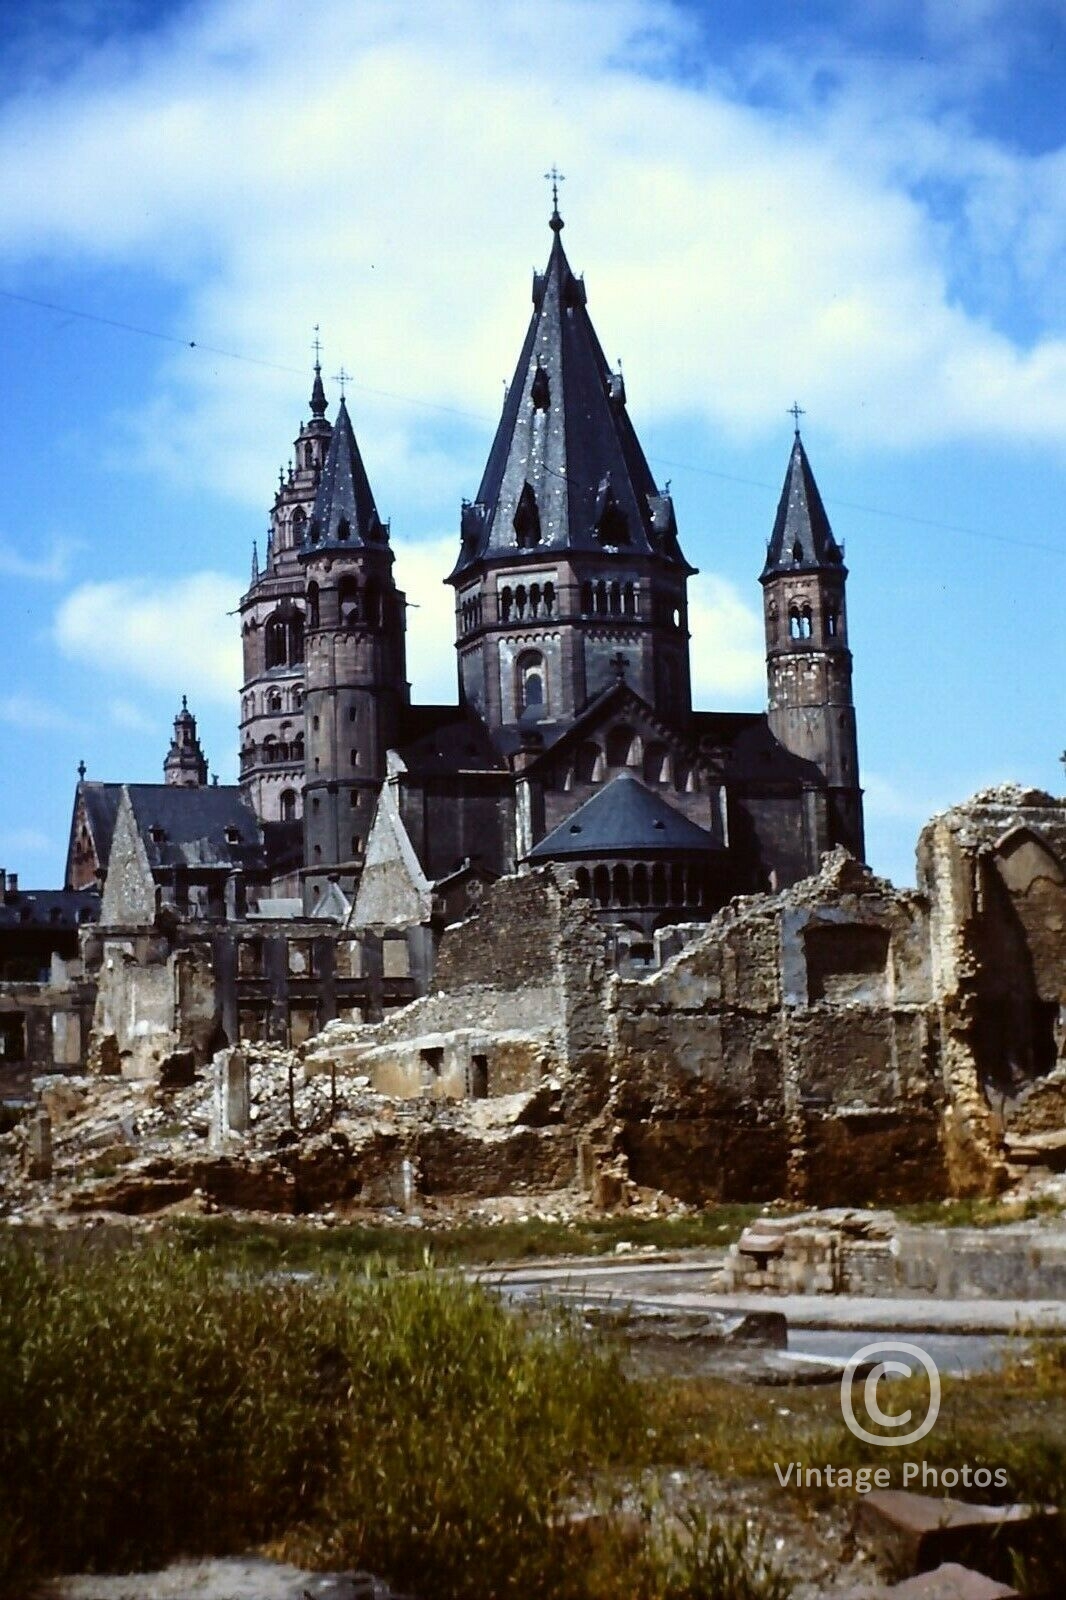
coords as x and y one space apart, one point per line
859 206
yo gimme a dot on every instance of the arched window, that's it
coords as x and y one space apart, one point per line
527 519
629 600
520 599
532 686
309 455
806 626
299 525
287 805
506 602
794 624
276 642
588 601
534 599
621 885
549 599
297 697
312 605
601 886
832 623
298 747
583 882
274 702
620 745
348 600
614 599
589 763
640 884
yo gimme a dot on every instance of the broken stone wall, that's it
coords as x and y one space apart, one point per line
790 1050
995 873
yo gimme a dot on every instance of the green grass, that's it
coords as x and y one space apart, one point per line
301 1245
977 1212
156 1403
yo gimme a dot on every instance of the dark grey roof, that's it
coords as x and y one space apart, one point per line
624 818
101 801
344 511
566 470
802 537
211 827
446 739
42 908
752 754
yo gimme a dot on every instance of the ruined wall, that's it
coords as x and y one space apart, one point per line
790 1050
995 873
505 1010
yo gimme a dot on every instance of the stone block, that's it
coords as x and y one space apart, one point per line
38 1153
946 1582
916 1532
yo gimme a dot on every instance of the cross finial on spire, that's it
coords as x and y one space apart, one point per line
82 770
555 178
316 346
185 702
342 377
796 411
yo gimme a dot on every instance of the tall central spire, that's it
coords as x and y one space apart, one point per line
566 471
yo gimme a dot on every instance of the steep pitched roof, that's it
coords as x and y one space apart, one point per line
566 470
802 537
212 827
624 818
344 511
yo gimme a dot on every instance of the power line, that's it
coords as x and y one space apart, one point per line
482 417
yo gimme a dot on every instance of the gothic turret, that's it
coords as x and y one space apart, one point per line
272 632
185 764
808 662
569 551
355 673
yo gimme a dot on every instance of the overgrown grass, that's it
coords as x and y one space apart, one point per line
305 1246
152 1405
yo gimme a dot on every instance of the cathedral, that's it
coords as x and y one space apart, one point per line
573 739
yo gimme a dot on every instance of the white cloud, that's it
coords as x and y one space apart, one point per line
51 567
388 189
32 714
727 651
174 635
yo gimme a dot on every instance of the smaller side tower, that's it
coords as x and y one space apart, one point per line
185 766
355 684
272 634
808 662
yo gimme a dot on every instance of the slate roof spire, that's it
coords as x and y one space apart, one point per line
318 393
344 512
565 446
802 538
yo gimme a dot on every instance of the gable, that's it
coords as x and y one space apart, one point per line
1023 855
129 892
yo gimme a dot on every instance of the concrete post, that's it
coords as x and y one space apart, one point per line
233 1096
38 1157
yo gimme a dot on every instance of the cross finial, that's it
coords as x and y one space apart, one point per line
82 770
185 702
342 378
796 411
316 346
555 178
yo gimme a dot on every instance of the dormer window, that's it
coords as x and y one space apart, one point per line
612 525
233 835
540 390
344 529
157 834
527 519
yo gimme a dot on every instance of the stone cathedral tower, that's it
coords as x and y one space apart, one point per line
272 634
355 677
811 711
570 558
